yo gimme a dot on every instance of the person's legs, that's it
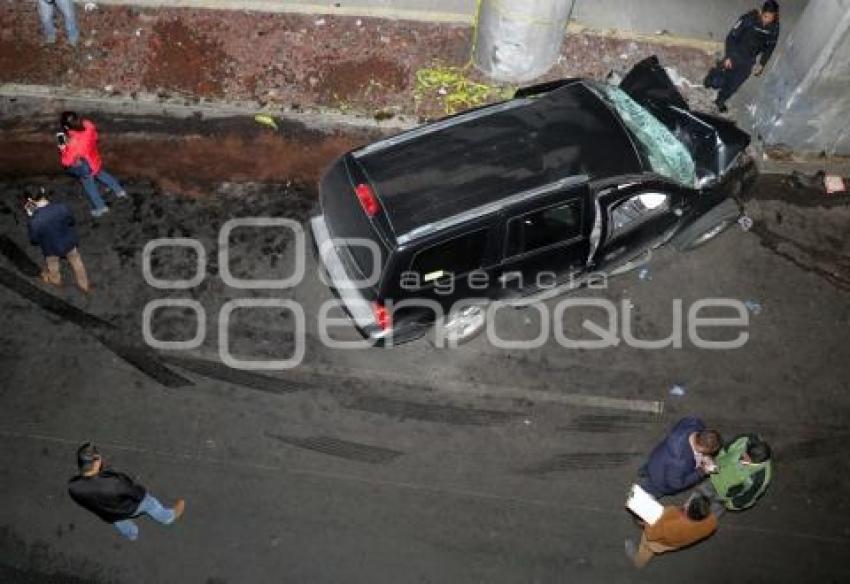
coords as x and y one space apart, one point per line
111 183
128 529
45 14
76 261
643 554
52 275
733 79
98 206
66 7
153 508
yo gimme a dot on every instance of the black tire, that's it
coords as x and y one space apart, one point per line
714 222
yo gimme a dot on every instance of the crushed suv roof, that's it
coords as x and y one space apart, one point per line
483 156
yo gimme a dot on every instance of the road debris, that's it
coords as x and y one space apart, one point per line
679 80
745 222
644 274
456 89
834 184
90 6
753 306
677 390
803 181
265 120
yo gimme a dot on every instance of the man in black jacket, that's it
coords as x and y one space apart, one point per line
753 37
115 497
51 226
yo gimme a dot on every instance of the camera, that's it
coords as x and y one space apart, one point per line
61 138
29 206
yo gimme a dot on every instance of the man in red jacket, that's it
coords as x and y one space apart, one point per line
81 158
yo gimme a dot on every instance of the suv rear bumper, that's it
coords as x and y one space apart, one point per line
341 285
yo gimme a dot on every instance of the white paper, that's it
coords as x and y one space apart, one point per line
644 505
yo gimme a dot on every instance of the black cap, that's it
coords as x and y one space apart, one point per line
770 6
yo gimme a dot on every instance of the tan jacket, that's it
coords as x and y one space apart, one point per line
674 529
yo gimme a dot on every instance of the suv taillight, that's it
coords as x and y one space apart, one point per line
382 316
367 198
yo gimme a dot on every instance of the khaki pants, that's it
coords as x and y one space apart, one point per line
647 549
53 275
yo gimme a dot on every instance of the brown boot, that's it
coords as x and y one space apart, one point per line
47 279
179 509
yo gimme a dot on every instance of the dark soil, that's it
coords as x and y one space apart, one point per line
190 156
179 60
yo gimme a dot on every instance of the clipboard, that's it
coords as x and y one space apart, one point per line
644 505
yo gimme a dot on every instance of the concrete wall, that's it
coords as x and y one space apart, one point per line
804 100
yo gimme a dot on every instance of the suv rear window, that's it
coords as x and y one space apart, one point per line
456 256
543 228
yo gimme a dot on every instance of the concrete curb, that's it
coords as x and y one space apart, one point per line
273 6
147 103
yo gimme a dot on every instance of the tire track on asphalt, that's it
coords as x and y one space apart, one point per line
19 258
425 412
579 461
338 448
141 358
220 372
609 423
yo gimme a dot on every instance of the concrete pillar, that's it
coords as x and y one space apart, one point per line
519 40
804 100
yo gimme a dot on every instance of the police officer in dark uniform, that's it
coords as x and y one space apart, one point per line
753 36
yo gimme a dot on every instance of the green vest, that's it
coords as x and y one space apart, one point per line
732 472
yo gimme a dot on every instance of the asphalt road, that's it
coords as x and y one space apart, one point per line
412 464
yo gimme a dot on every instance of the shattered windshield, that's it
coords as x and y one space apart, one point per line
666 154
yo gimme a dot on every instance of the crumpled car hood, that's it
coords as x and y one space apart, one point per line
713 141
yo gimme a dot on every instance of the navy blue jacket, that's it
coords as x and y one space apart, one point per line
671 466
748 39
52 227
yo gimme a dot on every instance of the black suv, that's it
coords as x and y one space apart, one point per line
568 180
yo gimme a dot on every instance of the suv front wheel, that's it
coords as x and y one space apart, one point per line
709 226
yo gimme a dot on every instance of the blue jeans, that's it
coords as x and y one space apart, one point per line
92 191
46 12
150 507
